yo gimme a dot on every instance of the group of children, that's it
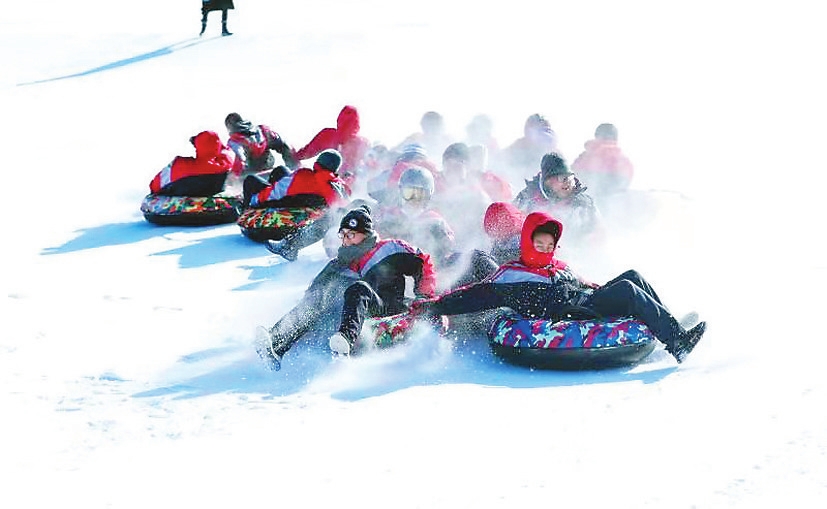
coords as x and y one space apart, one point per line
452 225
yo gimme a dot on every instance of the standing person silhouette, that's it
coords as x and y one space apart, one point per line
208 6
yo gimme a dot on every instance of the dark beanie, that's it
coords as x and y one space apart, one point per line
553 165
358 220
457 151
330 160
606 132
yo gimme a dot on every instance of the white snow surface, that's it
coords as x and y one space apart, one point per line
127 372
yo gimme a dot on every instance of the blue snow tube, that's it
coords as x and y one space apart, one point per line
571 344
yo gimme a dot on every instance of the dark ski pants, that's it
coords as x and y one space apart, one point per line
322 299
195 185
311 233
253 184
362 301
631 295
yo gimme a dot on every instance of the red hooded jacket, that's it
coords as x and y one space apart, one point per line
602 160
211 157
344 138
531 260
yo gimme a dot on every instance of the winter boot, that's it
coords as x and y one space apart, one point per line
224 30
285 248
203 24
686 342
266 349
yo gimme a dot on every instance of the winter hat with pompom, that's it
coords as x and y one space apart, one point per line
358 220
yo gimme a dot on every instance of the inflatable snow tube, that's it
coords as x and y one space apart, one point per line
387 331
571 344
190 210
276 223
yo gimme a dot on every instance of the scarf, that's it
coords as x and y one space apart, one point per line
349 254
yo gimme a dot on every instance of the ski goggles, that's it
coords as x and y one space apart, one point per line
414 194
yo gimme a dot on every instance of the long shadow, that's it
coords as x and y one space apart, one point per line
114 234
309 367
212 250
166 50
199 253
215 249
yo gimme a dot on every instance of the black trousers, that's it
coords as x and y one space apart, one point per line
362 301
205 12
631 295
196 185
254 184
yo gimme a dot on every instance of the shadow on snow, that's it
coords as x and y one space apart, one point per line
199 252
308 367
166 50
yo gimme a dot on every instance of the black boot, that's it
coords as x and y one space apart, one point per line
285 247
224 30
686 342
203 25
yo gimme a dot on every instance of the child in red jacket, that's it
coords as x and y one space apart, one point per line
602 166
202 175
345 139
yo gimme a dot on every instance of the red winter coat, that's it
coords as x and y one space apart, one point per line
603 167
385 266
496 187
344 138
304 181
211 157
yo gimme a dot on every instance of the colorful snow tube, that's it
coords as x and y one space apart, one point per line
571 344
190 210
275 223
387 331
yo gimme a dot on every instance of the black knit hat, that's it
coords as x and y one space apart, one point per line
358 220
553 165
330 160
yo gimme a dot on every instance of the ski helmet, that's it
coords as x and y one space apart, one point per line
418 178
